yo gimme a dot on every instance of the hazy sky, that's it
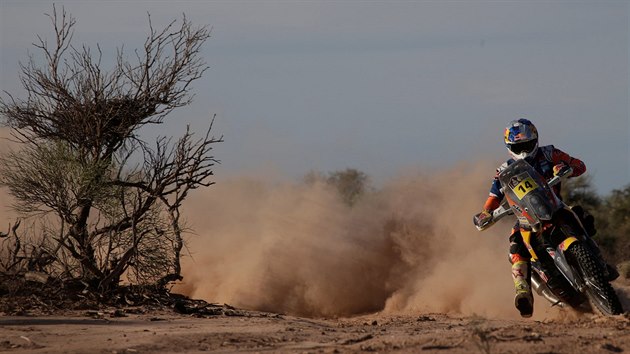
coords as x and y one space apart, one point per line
379 85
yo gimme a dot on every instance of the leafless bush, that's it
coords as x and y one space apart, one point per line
105 202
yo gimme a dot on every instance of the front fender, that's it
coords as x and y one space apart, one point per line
564 245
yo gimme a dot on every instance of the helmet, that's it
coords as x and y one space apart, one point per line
521 139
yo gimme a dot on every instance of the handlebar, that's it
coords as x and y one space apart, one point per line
497 214
504 209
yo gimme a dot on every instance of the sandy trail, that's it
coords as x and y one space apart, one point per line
167 332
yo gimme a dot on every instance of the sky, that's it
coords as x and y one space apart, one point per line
381 86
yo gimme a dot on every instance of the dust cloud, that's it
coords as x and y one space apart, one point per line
267 244
297 249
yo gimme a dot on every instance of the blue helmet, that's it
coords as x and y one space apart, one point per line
521 138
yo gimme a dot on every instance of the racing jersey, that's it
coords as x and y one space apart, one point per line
546 157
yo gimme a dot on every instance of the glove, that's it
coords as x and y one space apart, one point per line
482 219
561 170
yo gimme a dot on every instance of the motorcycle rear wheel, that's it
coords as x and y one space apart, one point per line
600 293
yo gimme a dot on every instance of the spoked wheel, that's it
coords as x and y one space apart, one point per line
600 293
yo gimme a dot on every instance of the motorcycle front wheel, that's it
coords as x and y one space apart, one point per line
600 293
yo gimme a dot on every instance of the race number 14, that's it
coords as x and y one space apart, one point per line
524 187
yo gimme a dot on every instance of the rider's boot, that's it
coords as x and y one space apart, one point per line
524 301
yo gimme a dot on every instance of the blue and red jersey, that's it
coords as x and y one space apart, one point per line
546 157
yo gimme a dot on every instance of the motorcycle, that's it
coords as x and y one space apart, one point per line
565 268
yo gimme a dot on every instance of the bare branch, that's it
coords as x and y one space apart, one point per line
110 201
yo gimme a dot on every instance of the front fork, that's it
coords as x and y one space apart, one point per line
546 273
569 271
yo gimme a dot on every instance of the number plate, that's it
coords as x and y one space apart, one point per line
524 187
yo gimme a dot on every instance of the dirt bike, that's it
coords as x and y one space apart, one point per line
564 263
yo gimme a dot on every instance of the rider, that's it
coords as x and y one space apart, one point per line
521 140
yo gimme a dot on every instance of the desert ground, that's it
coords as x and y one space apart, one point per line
225 329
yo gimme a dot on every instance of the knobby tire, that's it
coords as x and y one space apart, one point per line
601 295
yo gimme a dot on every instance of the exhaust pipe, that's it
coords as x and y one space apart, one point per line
543 290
